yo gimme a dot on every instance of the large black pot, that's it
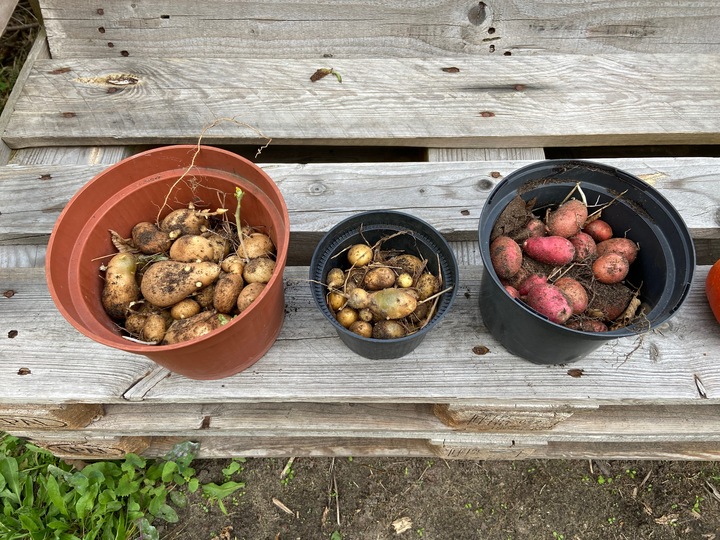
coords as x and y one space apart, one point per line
665 262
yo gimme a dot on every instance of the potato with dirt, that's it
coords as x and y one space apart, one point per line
166 283
193 327
120 289
184 221
555 250
567 219
149 239
506 256
549 301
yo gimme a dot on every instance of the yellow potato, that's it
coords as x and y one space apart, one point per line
168 282
196 326
404 280
220 246
388 330
259 270
362 328
346 316
185 309
227 289
427 285
248 295
120 288
192 248
205 296
360 255
257 245
392 303
149 239
379 278
184 221
335 301
335 278
233 264
154 328
407 263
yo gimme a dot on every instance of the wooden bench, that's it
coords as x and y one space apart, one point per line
438 102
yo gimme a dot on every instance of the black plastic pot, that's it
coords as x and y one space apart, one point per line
664 266
369 227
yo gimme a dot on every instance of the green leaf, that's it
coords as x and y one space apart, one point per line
147 531
193 485
156 502
9 470
31 523
336 536
167 513
126 486
232 468
178 498
183 453
168 469
86 503
53 491
212 490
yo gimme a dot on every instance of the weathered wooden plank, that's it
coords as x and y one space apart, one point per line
528 101
38 50
70 416
394 28
448 195
506 447
6 11
485 154
308 363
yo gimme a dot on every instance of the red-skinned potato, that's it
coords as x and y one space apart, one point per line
584 245
554 250
588 325
623 246
575 293
512 291
530 282
610 268
548 300
568 219
506 257
599 230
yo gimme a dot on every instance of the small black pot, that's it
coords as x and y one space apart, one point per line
665 262
369 227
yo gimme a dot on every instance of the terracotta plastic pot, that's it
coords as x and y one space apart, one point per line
133 190
665 263
369 227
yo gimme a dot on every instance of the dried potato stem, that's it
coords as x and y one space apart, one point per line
596 214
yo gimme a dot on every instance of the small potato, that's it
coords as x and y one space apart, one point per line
149 239
346 316
512 291
584 245
599 230
365 314
220 245
360 255
192 248
358 298
404 280
361 328
227 290
259 270
548 300
554 250
135 322
379 278
248 295
184 221
335 278
335 301
194 327
568 219
392 303
388 330
154 328
588 325
623 246
407 263
610 268
574 292
205 296
185 309
257 245
506 257
120 288
233 264
165 283
609 301
530 282
427 285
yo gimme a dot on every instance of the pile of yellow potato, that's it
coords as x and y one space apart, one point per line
382 294
186 277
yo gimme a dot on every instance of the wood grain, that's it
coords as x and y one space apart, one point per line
448 195
529 101
394 28
308 363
